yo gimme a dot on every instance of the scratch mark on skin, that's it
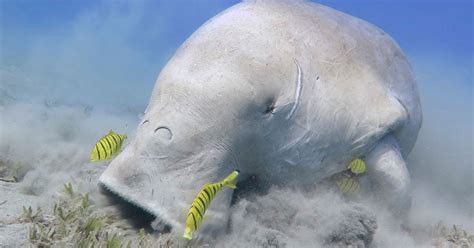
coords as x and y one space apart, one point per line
153 157
299 86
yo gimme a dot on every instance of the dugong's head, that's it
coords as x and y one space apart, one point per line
269 89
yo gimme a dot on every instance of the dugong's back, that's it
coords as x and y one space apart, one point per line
356 85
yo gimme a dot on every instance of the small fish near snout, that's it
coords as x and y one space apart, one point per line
107 146
202 202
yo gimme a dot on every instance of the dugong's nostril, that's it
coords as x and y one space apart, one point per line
164 133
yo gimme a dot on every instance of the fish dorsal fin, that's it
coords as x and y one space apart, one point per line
111 132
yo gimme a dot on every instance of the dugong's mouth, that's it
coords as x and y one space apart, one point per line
140 216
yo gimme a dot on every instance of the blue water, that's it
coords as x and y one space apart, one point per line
128 42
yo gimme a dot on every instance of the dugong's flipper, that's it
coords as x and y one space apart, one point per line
387 168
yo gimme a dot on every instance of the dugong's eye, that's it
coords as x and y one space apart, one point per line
270 107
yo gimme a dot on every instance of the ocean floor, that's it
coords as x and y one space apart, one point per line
77 213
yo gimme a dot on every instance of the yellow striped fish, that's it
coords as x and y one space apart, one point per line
348 186
202 202
357 166
107 146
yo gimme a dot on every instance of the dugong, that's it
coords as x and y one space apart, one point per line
290 92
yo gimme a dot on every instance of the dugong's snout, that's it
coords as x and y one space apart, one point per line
128 180
123 184
164 185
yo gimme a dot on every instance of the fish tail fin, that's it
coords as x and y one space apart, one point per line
229 180
230 185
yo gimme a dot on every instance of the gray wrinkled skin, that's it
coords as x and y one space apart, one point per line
290 92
